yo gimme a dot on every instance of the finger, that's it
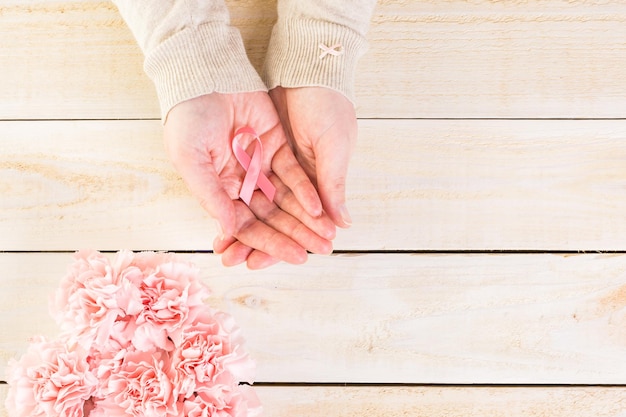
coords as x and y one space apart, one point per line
220 244
322 225
206 186
254 233
284 223
237 253
286 167
260 260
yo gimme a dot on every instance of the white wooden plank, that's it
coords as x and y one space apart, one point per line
514 319
77 59
82 179
433 402
413 185
442 402
515 59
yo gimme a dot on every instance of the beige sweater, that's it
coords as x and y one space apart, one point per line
190 48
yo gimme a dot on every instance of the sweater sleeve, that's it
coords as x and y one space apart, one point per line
190 49
318 43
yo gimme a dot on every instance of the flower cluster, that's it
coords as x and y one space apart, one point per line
137 340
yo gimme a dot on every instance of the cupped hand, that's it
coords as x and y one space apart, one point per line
197 137
321 126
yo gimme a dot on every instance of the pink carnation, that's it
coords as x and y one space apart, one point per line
141 385
240 402
138 341
210 357
168 295
94 296
87 266
51 380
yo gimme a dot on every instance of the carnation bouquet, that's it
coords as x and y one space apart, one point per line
136 340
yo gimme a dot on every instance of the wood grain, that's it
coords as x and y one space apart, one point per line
434 402
81 179
428 59
78 59
442 402
413 185
393 318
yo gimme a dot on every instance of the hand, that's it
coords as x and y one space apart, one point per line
197 137
321 126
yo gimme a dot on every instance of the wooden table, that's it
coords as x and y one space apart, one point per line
485 274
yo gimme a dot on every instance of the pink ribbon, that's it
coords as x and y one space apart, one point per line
254 176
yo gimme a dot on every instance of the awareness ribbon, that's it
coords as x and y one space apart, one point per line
254 176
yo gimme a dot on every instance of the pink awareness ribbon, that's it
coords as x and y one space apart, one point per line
254 176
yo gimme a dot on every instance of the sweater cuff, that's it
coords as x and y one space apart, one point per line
201 60
304 53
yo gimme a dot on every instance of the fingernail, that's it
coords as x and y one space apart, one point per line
220 230
345 215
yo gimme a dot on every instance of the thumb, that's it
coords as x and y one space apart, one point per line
206 186
331 160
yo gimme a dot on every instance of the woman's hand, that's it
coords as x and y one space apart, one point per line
198 135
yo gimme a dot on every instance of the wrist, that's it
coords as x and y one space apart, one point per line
198 61
304 52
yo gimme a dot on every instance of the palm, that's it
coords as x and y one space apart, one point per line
197 137
216 118
320 124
